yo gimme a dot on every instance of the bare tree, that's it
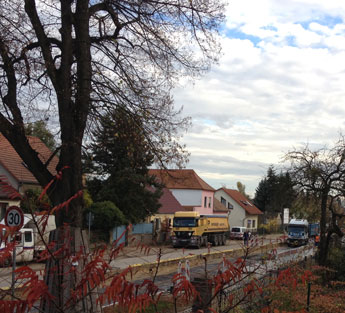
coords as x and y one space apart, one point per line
322 173
76 59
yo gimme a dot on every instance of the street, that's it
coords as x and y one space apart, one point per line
132 256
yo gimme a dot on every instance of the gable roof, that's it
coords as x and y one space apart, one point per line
181 179
14 164
169 204
219 207
248 206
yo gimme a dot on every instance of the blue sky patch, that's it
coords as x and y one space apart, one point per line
327 20
291 41
236 34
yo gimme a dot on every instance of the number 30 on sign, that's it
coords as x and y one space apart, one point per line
14 217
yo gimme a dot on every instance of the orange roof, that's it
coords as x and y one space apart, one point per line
13 163
181 179
249 207
219 207
169 204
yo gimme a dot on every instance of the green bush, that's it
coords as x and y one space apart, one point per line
106 216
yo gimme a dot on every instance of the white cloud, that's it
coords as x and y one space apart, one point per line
276 90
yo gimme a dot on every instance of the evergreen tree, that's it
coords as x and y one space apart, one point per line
121 157
274 192
261 199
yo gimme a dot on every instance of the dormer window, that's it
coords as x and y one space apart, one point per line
223 201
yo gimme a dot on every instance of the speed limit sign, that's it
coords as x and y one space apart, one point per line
14 217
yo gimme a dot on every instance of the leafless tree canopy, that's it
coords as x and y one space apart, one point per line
74 60
322 173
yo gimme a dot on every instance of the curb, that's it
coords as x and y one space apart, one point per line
198 258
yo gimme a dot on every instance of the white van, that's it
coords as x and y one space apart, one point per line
237 232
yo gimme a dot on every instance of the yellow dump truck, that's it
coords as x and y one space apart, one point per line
193 229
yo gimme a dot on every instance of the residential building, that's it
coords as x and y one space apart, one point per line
242 211
169 205
219 208
15 172
193 193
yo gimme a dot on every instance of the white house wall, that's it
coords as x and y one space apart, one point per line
10 179
238 215
188 197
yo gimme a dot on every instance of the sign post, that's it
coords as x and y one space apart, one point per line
90 218
14 219
286 216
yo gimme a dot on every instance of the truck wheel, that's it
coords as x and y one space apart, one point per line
215 239
223 240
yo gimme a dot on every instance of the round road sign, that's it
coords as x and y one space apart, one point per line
14 217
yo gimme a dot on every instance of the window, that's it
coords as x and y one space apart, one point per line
205 202
17 238
28 236
249 223
184 222
209 202
253 223
223 201
230 206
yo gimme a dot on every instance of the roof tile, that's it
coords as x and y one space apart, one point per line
13 163
219 207
169 203
181 179
248 206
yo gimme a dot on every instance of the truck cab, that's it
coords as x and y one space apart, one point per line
24 242
25 245
297 232
32 238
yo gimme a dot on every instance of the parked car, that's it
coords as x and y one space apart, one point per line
237 232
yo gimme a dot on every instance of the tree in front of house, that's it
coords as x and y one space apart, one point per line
121 156
40 129
321 173
77 59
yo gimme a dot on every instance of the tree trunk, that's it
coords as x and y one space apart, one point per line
69 185
62 275
323 248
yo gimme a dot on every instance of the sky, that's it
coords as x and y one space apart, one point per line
279 84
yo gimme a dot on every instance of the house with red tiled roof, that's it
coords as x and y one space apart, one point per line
219 208
15 172
192 192
169 205
242 211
